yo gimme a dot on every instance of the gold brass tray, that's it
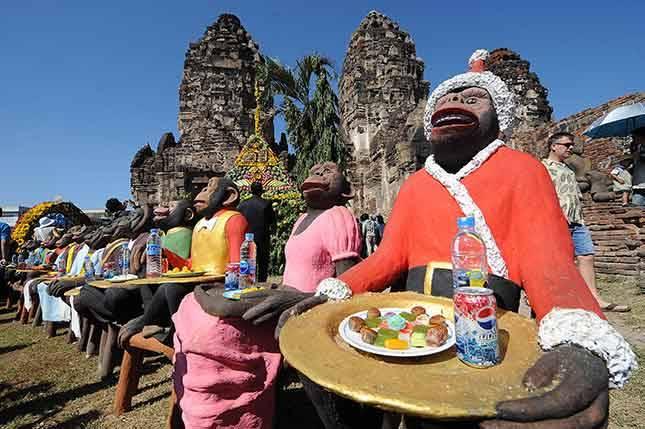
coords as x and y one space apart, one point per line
439 387
206 278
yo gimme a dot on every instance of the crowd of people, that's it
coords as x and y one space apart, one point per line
226 354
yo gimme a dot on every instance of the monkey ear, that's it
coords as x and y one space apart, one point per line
232 197
189 214
348 195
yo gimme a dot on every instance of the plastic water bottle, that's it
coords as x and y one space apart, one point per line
469 265
153 254
248 253
125 259
89 269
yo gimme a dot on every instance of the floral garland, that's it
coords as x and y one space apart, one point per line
26 223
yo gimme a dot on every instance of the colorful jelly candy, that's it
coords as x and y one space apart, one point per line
373 322
396 322
396 344
418 339
408 316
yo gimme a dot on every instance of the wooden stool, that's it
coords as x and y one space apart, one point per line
131 372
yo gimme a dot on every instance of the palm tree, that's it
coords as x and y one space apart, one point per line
310 110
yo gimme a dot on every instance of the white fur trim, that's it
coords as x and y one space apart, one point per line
452 183
334 289
503 98
479 54
587 330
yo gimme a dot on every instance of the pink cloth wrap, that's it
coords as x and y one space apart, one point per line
310 255
225 369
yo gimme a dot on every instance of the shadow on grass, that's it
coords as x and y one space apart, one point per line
72 422
46 405
13 348
9 394
152 400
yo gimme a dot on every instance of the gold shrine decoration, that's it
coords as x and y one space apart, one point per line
256 153
258 108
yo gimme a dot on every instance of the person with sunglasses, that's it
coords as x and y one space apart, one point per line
564 179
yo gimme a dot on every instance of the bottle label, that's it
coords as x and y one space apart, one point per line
154 250
472 278
245 267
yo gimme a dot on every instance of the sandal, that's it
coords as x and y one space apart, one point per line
616 308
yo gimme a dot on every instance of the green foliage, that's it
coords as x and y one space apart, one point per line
310 111
287 212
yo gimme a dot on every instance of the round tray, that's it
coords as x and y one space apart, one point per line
437 387
104 284
181 274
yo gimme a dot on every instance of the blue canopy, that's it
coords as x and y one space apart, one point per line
620 122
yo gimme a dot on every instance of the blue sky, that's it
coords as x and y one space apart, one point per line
84 84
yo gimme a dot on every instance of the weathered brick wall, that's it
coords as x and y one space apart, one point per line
619 237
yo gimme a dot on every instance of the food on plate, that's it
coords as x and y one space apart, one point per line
437 319
418 310
356 323
437 335
400 330
368 335
396 344
373 313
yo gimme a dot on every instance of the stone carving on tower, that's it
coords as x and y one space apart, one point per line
216 107
382 95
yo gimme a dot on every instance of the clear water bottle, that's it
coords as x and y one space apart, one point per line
469 265
88 266
248 253
124 263
153 254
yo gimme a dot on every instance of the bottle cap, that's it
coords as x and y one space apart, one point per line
248 236
466 222
154 231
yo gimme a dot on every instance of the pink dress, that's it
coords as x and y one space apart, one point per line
310 255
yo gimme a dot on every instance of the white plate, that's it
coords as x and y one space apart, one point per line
354 338
122 278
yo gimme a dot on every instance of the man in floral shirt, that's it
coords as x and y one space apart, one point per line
570 197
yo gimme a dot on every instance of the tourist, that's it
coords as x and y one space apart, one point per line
528 247
622 183
380 227
260 216
570 198
5 239
638 176
5 257
369 229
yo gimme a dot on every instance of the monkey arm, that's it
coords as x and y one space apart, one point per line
384 266
236 227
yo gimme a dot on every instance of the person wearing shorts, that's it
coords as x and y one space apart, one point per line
570 197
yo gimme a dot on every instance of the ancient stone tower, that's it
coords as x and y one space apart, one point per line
382 97
216 102
534 108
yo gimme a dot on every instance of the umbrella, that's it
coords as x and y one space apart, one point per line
620 122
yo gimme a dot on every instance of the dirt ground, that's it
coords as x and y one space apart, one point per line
47 383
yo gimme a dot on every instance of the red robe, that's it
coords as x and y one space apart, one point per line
518 200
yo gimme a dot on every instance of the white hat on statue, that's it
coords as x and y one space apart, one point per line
503 98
